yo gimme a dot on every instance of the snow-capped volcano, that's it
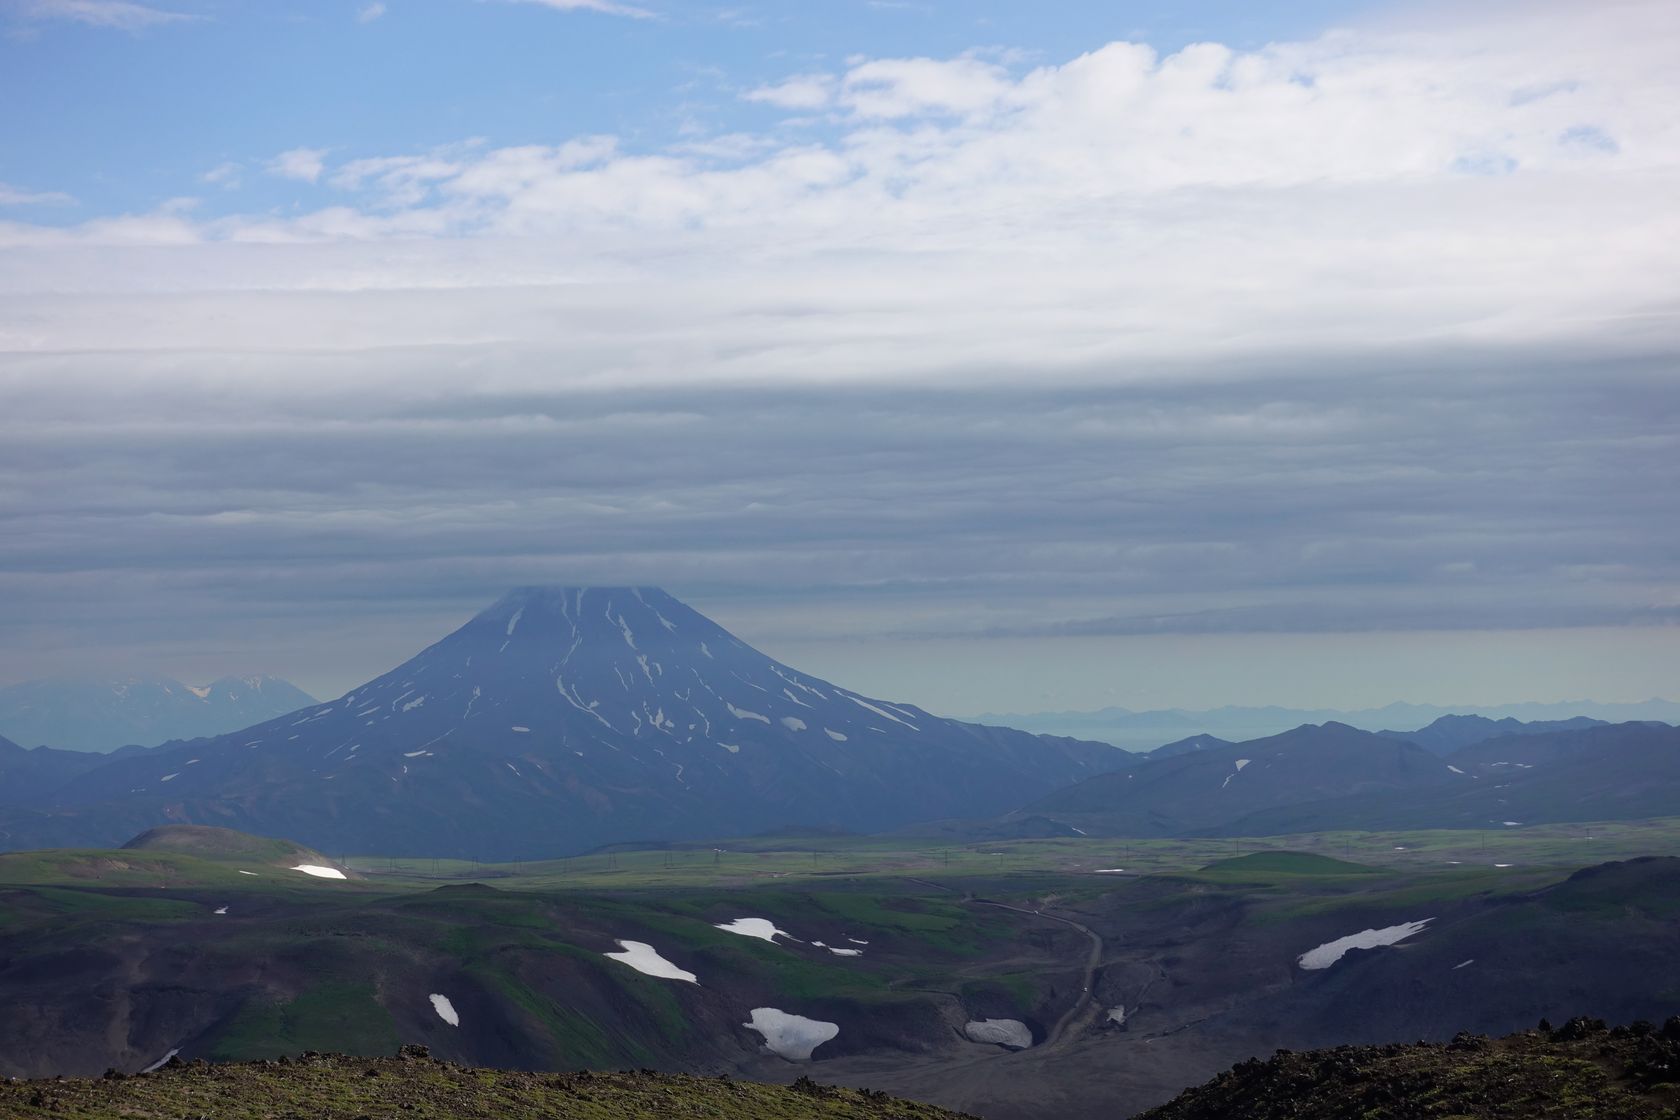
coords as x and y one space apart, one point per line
563 718
619 667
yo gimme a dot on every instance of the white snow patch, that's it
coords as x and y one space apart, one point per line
790 1036
837 736
414 703
742 713
161 1062
793 723
1454 769
1004 1032
512 767
1330 952
1109 871
644 958
1512 824
441 1004
416 754
1241 762
1463 964
880 712
855 941
845 952
220 910
762 928
320 872
521 730
170 777
250 873
730 747
1504 865
1117 1015
512 622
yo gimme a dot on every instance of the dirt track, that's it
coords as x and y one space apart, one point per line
1082 1007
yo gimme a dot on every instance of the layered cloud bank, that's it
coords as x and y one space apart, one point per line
1372 331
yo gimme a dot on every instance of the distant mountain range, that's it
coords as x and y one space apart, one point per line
563 719
1318 778
101 715
557 720
1146 730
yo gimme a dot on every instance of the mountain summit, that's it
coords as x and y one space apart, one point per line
564 718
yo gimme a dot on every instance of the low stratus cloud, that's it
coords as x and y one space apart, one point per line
1366 332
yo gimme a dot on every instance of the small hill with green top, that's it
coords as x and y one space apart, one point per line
1272 865
208 842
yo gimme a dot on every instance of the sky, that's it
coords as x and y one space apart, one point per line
990 356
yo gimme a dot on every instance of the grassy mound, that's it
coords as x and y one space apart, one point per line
333 1085
1579 1072
207 842
1274 864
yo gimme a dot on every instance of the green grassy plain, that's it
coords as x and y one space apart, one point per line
809 861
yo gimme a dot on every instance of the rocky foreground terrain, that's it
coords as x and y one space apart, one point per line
413 1085
1581 1070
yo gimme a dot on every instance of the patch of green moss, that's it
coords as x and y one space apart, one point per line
333 1016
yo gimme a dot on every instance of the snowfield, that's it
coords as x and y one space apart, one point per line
790 1036
1003 1032
320 872
1330 952
644 958
445 1009
762 928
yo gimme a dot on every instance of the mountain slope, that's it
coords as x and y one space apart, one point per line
562 719
1187 746
1622 771
1206 788
29 776
1452 733
90 715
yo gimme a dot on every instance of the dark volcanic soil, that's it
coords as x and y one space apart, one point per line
1581 1071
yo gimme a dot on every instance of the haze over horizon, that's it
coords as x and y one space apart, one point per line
1149 355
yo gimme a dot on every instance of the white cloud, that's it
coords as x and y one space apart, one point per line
226 174
305 164
17 196
1223 339
802 92
607 7
1108 217
370 12
120 15
903 87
